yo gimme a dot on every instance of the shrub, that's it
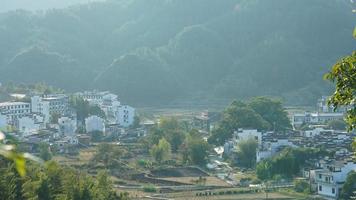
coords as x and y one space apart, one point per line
149 188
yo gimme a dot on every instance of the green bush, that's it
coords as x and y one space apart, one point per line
149 188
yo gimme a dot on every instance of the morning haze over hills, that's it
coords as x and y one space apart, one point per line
172 51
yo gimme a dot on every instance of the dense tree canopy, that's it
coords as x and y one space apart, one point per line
54 182
287 163
161 151
349 187
195 150
260 113
246 154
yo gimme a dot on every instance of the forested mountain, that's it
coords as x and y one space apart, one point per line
170 51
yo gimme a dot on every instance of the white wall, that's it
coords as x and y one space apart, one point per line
94 123
27 126
326 189
3 121
125 116
67 126
246 134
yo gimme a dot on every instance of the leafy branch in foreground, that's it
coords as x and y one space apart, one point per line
343 73
19 159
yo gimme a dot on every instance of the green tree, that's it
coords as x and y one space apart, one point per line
237 115
96 136
45 152
264 170
301 186
195 149
84 109
349 187
247 152
337 124
108 154
343 74
136 122
161 151
175 138
43 191
171 130
272 111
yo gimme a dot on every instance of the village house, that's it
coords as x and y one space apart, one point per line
67 126
241 135
270 148
123 115
50 104
13 110
29 124
299 119
331 176
94 123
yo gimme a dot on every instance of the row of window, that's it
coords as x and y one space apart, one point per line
15 107
321 189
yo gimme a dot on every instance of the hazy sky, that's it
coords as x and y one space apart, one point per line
7 5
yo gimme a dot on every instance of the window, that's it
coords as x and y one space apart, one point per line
333 190
320 188
319 176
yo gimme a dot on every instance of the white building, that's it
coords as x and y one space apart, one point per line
313 133
30 124
125 116
241 135
67 126
331 178
13 110
3 121
94 123
323 106
315 118
50 104
269 149
245 134
94 97
41 107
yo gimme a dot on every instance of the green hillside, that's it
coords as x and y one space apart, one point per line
172 51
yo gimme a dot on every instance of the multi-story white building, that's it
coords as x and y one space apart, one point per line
30 124
125 116
315 118
67 126
332 176
3 121
13 110
50 104
94 123
122 115
40 107
95 97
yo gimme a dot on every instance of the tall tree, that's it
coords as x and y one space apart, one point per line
272 111
161 151
195 149
247 152
349 187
